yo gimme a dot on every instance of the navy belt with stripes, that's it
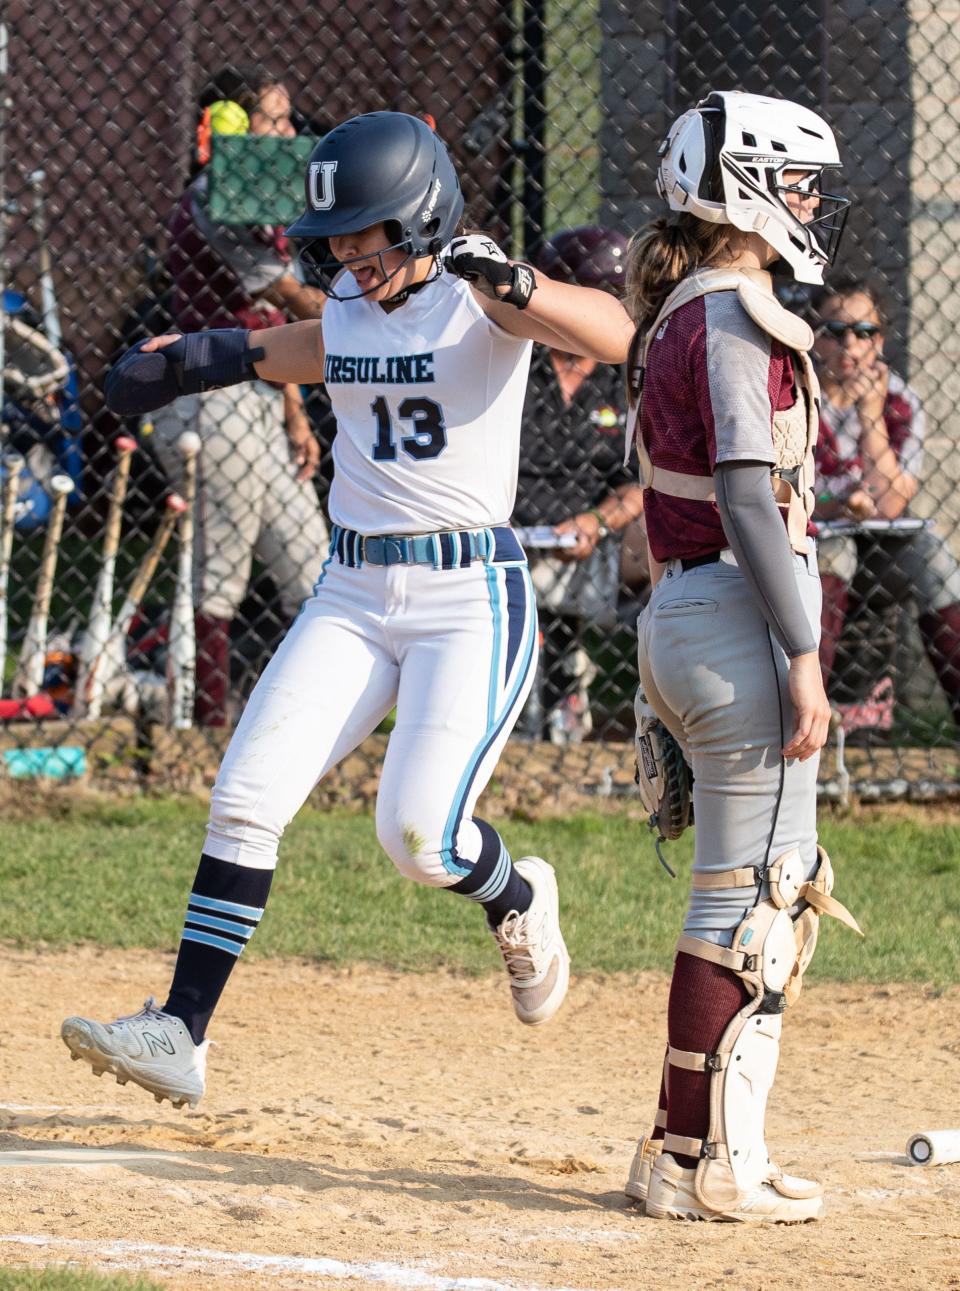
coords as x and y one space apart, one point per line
450 549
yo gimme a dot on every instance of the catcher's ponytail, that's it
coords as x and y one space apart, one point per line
663 254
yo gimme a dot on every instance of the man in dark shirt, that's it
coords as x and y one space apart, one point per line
572 483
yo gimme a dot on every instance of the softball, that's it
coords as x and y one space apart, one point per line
189 443
227 117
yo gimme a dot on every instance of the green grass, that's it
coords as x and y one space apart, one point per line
69 1280
118 875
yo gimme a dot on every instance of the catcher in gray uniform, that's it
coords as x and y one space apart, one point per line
724 400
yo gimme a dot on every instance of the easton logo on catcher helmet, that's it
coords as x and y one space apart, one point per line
321 185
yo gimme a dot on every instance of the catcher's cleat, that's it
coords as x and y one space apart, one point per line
533 948
151 1048
672 1195
638 1181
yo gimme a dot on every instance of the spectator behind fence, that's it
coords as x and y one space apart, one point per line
869 458
259 455
572 480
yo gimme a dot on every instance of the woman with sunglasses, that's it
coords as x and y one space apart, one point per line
724 398
425 601
869 458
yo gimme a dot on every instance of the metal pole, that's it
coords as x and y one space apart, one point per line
534 125
4 105
48 296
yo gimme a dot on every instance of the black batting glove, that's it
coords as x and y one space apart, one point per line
477 259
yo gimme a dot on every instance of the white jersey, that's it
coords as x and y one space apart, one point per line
428 400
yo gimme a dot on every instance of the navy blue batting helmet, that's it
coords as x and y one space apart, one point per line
381 167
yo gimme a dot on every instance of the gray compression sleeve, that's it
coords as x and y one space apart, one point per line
754 528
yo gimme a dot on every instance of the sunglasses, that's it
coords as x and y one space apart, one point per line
862 331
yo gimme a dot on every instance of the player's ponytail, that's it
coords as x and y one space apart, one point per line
662 255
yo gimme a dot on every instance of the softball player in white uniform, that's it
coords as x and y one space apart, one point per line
424 601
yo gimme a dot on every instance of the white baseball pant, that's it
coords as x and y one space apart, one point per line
454 649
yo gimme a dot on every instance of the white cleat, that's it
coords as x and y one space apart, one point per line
638 1181
151 1048
533 949
671 1195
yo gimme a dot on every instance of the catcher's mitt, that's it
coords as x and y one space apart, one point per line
663 776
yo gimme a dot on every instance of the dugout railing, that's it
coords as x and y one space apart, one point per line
554 110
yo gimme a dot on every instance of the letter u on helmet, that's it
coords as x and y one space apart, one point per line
381 167
724 161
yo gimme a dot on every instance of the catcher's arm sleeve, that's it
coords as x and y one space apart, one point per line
756 534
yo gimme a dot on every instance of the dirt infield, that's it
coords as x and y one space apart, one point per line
372 1129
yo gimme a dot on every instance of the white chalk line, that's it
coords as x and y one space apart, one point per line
30 1107
86 1157
141 1255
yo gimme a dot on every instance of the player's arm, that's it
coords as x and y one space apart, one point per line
155 372
525 303
754 529
293 353
576 320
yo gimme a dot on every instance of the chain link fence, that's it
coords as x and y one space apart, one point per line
123 133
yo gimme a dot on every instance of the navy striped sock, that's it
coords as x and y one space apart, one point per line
493 881
223 912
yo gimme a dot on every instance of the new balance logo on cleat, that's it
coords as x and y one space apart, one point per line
159 1044
150 1048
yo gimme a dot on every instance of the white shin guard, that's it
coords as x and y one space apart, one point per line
770 953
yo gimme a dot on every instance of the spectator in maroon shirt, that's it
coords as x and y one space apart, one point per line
869 459
258 455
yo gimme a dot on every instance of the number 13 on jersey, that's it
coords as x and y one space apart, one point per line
421 434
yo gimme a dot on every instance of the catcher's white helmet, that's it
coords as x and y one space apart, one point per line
724 161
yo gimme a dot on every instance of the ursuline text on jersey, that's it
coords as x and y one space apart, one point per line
391 369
